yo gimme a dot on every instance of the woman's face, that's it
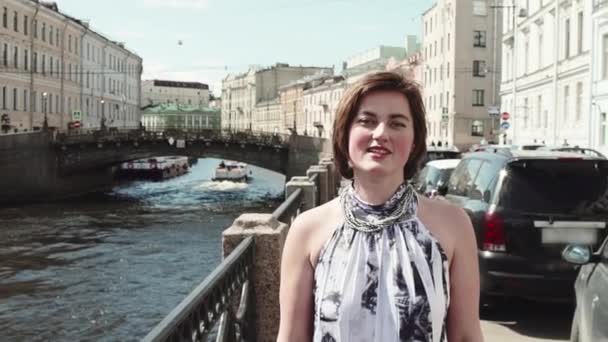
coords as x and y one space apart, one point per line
381 135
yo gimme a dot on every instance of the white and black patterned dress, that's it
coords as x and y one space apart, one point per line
381 276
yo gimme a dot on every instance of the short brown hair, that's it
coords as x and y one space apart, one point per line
349 106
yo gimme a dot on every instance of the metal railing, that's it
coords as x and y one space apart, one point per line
163 133
197 314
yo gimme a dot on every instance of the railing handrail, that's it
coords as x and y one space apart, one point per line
180 313
287 206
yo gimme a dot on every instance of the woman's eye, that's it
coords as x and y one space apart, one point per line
399 124
364 121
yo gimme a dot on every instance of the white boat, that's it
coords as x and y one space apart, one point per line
232 171
158 168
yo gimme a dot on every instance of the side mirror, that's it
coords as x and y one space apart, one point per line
442 190
578 255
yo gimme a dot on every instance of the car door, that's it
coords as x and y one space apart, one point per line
596 300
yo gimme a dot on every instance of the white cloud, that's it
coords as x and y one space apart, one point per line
179 4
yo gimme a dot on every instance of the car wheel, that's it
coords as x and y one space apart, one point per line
574 331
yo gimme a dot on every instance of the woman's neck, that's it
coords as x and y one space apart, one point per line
376 190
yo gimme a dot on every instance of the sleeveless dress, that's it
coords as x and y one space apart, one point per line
382 276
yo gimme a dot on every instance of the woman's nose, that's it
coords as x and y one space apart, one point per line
379 132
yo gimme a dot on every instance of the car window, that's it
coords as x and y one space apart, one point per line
578 187
483 186
462 179
456 175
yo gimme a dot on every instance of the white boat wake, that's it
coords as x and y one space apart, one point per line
223 186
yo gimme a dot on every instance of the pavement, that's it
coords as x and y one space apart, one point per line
514 320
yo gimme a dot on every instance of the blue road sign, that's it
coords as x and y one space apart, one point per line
505 125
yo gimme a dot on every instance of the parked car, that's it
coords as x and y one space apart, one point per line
439 152
576 149
526 206
490 147
591 289
434 174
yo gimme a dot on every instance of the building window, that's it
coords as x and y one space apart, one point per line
26 61
539 104
480 8
567 38
448 71
51 35
16 21
566 102
70 43
479 69
605 57
479 38
57 37
540 48
16 57
35 28
35 62
448 42
477 128
51 65
603 141
478 97
5 18
579 100
25 100
43 64
5 55
4 98
526 57
580 33
525 112
43 32
25 25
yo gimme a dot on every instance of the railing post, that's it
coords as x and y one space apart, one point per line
269 236
333 177
322 174
309 190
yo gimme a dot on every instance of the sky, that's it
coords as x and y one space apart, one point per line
226 36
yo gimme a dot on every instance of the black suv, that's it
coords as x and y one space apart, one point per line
526 206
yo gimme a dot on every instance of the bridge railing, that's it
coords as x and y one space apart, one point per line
163 133
242 292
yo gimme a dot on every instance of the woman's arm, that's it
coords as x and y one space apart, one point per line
296 293
463 315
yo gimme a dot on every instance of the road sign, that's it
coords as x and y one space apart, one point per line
494 111
505 116
505 125
76 116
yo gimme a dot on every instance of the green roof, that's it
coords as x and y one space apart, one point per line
178 109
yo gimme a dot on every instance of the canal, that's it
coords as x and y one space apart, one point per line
109 266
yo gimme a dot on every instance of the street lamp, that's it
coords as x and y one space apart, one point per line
103 115
45 124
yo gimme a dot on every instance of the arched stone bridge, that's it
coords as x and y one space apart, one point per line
286 154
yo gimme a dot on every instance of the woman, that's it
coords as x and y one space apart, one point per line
380 263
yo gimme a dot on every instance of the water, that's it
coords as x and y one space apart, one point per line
109 267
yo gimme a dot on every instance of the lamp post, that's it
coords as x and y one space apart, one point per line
45 124
103 115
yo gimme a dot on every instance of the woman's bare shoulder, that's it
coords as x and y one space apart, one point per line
317 217
314 226
446 221
441 208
